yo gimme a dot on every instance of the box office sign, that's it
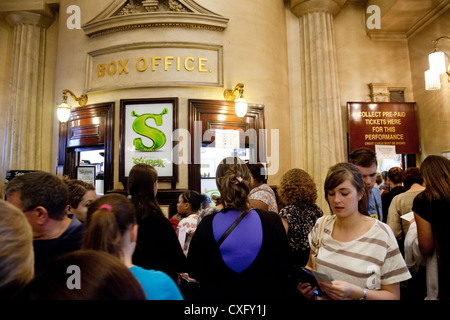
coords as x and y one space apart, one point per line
383 123
153 65
146 132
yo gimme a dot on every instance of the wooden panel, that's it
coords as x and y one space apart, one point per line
89 127
215 114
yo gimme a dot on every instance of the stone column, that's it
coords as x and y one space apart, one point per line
322 137
22 137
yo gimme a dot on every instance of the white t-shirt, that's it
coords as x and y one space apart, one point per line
368 261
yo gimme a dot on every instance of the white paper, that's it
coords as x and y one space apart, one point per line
321 276
385 152
227 139
408 216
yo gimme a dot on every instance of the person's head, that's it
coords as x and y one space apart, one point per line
85 275
345 190
258 173
411 176
395 175
366 162
233 179
16 251
143 186
189 202
81 195
110 225
297 186
379 179
40 195
436 176
206 203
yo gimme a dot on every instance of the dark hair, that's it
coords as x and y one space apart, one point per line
233 179
106 226
436 172
341 172
194 198
258 172
141 180
41 189
102 277
363 157
395 174
412 175
77 189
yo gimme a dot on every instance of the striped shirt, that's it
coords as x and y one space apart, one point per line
368 261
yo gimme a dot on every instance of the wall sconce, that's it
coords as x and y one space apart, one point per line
63 110
240 104
438 66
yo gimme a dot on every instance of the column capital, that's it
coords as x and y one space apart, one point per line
301 7
27 17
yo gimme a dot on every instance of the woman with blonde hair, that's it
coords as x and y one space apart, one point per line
239 252
431 210
16 251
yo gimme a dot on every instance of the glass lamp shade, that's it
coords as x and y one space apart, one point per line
432 80
437 62
63 112
240 107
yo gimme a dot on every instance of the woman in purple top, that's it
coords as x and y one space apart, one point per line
251 263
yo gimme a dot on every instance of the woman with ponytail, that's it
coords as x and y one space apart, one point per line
248 261
112 228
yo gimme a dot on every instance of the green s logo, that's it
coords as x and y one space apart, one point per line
141 128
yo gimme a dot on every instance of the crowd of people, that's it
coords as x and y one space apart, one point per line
60 241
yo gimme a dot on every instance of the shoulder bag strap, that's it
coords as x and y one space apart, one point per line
320 235
235 223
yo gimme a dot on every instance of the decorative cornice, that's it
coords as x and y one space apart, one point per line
302 7
128 14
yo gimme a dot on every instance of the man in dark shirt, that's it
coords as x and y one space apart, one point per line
43 198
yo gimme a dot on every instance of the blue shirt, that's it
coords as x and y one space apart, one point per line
375 208
156 284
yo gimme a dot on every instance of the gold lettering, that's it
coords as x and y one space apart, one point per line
154 62
123 66
167 62
186 64
201 65
178 63
100 70
138 64
112 63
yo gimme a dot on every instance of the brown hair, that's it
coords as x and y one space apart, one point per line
194 198
297 186
106 226
102 277
436 174
363 157
141 180
77 190
341 172
412 175
233 179
395 174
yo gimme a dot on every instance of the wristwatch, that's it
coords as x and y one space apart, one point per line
364 297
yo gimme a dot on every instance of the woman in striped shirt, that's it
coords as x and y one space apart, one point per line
360 254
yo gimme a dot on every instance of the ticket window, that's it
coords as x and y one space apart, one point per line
210 159
95 158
